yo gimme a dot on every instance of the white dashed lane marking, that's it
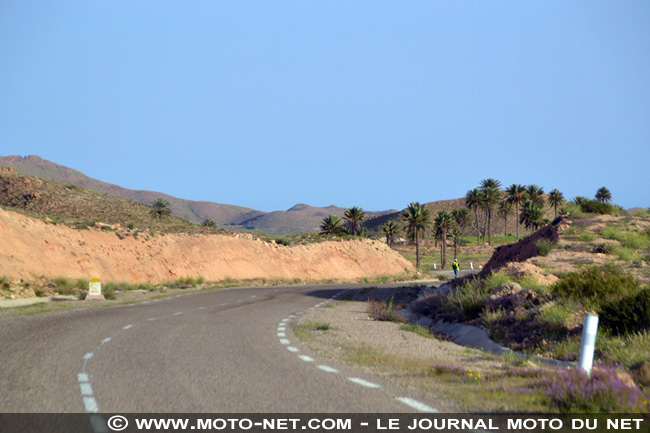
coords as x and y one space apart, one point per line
86 389
292 349
328 369
416 405
91 405
178 313
284 341
127 327
151 319
306 358
88 355
281 334
106 340
363 382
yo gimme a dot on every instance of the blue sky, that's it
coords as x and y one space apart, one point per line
370 103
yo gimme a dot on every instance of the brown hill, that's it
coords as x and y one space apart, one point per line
33 248
82 207
193 211
300 218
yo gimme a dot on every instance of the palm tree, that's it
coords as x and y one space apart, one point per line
456 233
208 223
505 209
579 200
535 194
603 195
417 220
515 194
555 198
474 202
442 226
463 218
160 208
390 229
331 225
490 183
491 197
354 216
531 215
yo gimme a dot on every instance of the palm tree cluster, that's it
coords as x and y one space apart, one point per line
482 203
334 225
526 201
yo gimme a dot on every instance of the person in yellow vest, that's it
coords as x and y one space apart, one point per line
456 267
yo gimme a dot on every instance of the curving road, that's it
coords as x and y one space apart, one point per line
221 351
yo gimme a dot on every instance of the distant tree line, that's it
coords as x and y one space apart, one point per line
482 204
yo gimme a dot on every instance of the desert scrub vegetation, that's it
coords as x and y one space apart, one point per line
594 286
544 247
305 331
602 392
384 311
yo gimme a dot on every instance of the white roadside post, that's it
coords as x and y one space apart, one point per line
95 290
588 346
434 266
471 265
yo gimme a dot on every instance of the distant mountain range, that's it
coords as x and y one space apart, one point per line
300 218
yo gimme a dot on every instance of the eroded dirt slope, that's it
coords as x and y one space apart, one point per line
30 248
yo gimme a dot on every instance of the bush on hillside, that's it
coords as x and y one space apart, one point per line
544 246
627 315
596 286
595 206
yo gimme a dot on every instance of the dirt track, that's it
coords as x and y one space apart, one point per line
32 248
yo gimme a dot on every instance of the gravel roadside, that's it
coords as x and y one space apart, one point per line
387 351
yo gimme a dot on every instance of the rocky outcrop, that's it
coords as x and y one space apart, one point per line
525 248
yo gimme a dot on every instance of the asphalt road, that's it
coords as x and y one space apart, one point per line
216 352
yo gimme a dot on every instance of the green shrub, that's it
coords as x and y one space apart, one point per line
528 282
612 233
64 286
575 211
595 206
596 286
587 237
643 213
625 254
283 241
470 300
556 314
493 281
629 239
130 225
627 315
384 311
626 350
544 247
109 291
489 318
636 240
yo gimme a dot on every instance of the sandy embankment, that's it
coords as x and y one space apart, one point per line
31 248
